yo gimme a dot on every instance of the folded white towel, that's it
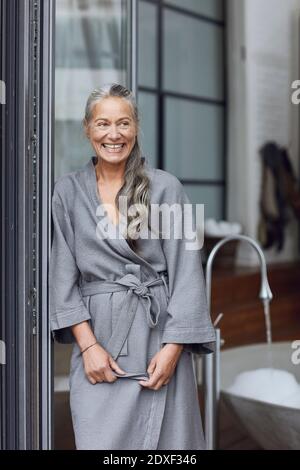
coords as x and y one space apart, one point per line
222 228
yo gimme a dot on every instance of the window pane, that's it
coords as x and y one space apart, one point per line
147 44
194 139
75 152
91 39
211 196
90 34
211 8
199 47
147 104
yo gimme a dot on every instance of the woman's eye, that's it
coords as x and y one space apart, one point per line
104 124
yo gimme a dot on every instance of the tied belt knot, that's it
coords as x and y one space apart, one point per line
141 289
152 309
135 290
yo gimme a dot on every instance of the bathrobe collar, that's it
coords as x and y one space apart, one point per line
121 242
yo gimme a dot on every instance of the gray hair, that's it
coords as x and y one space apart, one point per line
136 182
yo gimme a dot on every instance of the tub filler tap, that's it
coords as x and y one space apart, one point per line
211 362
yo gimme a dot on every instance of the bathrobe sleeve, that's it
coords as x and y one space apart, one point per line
66 305
188 321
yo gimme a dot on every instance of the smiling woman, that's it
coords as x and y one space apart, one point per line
135 308
110 133
111 124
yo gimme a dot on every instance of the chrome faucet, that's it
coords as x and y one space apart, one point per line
211 362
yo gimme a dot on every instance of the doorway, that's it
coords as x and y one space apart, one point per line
95 43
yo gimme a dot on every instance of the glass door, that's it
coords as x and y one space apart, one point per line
95 44
92 48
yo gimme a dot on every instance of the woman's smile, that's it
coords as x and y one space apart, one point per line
113 148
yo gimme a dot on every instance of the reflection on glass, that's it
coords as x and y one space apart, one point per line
211 196
147 44
147 103
91 45
70 139
211 8
194 143
198 46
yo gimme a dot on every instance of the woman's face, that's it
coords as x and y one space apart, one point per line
112 129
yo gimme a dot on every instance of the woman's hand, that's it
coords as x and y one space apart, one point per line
98 365
162 366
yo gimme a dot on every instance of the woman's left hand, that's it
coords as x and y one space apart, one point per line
162 366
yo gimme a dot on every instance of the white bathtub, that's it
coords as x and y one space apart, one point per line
271 426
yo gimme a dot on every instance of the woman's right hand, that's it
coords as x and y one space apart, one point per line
98 365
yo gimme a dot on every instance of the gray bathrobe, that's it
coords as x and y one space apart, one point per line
135 302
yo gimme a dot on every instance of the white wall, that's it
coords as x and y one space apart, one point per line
263 61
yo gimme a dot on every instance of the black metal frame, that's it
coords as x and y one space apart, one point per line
8 410
25 220
15 391
162 93
45 178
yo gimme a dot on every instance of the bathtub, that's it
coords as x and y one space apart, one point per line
271 426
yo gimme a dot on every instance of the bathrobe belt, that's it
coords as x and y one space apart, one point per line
136 291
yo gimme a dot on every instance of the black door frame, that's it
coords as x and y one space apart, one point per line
26 30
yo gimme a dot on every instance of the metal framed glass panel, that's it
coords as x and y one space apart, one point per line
198 45
194 139
147 103
209 8
147 44
190 88
92 41
211 196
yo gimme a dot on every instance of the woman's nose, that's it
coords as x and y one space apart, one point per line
114 132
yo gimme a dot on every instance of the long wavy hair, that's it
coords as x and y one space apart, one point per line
136 182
